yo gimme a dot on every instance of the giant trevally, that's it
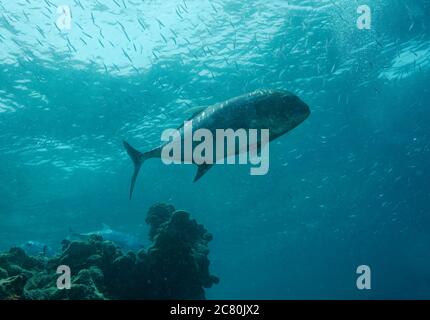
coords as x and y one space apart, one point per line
279 111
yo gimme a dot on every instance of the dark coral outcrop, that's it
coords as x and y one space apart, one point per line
175 266
178 259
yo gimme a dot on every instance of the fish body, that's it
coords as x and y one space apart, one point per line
277 111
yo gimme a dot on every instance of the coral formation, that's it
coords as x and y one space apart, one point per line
175 266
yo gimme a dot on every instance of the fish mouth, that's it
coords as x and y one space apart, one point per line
296 105
302 108
306 111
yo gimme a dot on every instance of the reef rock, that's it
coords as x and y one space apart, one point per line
176 265
178 259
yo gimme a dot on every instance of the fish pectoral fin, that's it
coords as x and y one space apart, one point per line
201 170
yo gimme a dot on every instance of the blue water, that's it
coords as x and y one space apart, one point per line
350 186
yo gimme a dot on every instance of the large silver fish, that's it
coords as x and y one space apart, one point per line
277 110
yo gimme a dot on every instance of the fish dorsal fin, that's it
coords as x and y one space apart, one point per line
201 170
106 227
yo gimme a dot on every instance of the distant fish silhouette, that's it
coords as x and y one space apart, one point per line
122 239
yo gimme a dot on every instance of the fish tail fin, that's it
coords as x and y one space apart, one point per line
138 159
